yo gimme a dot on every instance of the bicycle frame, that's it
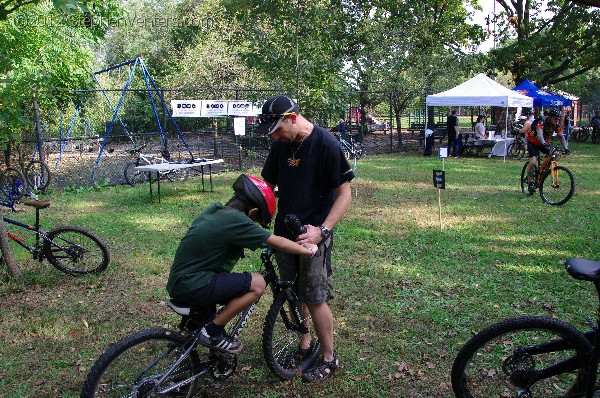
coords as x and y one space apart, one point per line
549 163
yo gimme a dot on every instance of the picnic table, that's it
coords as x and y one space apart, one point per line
157 168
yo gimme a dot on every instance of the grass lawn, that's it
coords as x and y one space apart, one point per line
408 294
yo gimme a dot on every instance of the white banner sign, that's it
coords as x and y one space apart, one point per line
186 108
214 108
241 108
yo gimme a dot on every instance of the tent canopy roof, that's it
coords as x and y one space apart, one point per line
540 97
480 91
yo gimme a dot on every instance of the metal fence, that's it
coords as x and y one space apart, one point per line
90 143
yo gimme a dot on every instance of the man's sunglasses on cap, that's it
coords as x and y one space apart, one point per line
269 117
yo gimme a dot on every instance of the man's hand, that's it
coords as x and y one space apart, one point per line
312 236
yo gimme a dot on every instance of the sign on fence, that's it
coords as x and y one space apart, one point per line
186 108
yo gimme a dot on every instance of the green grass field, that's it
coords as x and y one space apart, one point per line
408 294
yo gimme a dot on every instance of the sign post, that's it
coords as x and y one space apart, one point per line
439 180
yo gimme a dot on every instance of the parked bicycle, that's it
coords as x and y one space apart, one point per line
133 176
556 183
518 148
162 362
72 249
13 187
353 150
532 356
581 133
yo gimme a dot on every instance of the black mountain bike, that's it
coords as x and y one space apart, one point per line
73 250
532 356
556 183
162 362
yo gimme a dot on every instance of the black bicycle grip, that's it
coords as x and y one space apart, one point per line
293 223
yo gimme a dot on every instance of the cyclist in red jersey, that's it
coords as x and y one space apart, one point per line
538 141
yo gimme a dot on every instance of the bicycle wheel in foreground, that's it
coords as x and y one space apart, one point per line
133 367
557 187
133 176
37 175
76 250
282 333
502 359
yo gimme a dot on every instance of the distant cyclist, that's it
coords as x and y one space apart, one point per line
538 141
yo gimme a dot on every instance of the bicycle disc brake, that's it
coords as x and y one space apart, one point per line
223 364
520 369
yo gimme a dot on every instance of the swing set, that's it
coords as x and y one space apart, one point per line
151 90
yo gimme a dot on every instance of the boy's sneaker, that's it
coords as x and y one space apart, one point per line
321 370
223 342
531 188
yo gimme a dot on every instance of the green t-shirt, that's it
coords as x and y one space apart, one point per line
213 244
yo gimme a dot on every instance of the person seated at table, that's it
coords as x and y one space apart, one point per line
480 128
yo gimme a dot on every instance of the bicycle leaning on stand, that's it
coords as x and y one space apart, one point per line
133 176
353 150
556 183
158 362
532 356
518 148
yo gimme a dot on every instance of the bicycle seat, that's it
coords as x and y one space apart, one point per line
38 204
178 308
586 270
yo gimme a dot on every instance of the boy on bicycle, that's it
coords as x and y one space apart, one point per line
537 141
201 274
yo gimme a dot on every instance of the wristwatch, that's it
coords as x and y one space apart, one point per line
324 231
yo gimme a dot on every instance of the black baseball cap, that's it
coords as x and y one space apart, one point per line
273 112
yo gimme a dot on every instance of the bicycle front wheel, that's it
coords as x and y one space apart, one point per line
37 175
512 355
76 250
282 332
134 366
133 176
557 186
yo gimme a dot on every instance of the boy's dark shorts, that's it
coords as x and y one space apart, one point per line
313 284
220 290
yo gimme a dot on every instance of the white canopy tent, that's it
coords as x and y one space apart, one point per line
480 91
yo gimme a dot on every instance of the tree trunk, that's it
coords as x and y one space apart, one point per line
7 254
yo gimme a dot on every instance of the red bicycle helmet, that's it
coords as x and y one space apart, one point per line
259 193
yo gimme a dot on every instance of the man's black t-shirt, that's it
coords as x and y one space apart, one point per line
307 175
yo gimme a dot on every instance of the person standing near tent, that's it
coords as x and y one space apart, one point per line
595 123
537 141
453 132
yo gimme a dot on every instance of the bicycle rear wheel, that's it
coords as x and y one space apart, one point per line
505 358
133 176
76 250
557 187
283 329
178 175
37 175
133 367
524 183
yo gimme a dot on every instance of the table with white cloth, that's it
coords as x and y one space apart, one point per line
501 147
157 168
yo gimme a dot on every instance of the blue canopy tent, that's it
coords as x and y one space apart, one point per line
540 97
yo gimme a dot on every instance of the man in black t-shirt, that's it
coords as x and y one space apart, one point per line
307 164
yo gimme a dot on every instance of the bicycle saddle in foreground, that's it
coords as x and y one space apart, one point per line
580 268
38 204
